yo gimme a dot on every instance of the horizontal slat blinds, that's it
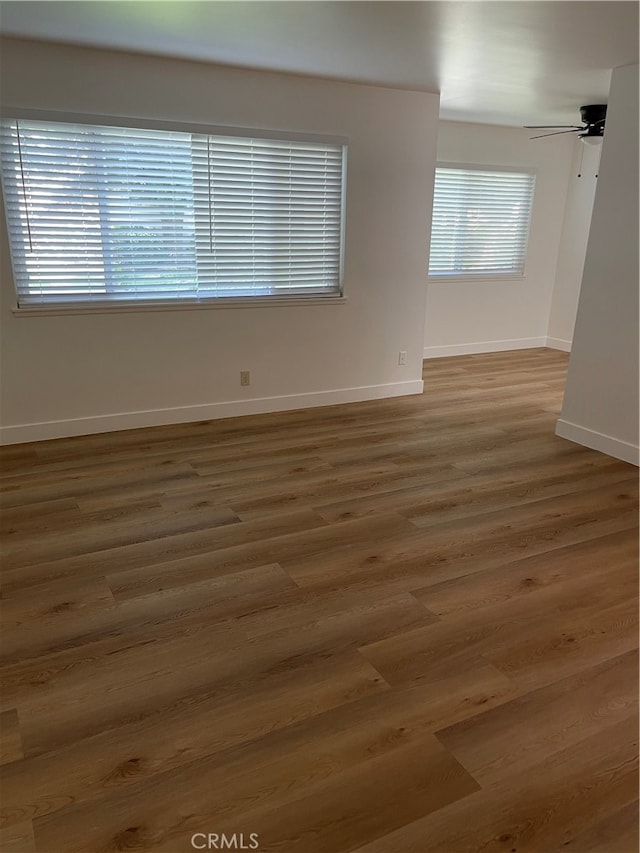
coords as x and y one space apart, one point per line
480 223
267 215
101 214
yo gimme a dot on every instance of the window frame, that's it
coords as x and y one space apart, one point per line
217 303
483 276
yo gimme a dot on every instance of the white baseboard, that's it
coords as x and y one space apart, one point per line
496 346
598 441
559 343
43 431
484 346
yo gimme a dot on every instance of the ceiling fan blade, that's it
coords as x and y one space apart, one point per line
557 133
549 126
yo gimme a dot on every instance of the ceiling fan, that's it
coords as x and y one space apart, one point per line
591 131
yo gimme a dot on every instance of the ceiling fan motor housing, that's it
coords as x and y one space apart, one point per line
593 115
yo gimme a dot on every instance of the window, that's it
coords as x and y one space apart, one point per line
104 215
480 222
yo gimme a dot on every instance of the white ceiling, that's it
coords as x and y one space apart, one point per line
511 62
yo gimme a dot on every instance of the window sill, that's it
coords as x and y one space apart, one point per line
132 307
445 279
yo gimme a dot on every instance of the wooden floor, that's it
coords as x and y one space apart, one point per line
400 625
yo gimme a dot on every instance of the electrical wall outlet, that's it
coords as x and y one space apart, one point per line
245 377
402 356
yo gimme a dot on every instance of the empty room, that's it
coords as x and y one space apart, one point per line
319 426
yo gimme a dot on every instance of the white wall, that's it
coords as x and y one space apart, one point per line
492 315
573 243
600 406
75 374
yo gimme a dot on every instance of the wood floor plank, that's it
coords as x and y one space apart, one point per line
138 751
581 615
279 546
18 838
190 729
558 800
56 708
457 547
616 833
154 552
126 522
38 515
193 605
467 501
411 781
152 674
309 758
232 439
133 482
337 486
10 737
548 448
423 443
438 501
499 583
568 645
522 732
399 625
51 602
96 536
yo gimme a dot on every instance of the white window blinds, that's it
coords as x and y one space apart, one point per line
480 222
108 214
